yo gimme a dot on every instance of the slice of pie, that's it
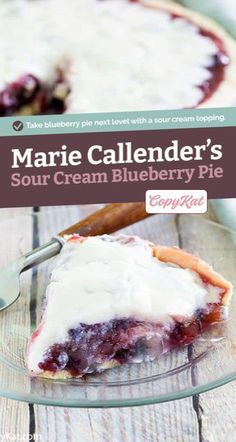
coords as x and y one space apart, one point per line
112 55
113 300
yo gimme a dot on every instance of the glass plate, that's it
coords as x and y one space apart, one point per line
204 365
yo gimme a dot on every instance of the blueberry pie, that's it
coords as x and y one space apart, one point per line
114 300
111 55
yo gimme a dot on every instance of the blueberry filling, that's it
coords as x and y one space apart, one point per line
124 341
28 94
219 62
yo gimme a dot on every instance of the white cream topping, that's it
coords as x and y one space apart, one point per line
124 56
99 280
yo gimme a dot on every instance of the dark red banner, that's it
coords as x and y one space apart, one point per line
115 167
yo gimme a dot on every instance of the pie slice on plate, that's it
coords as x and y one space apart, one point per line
113 300
112 55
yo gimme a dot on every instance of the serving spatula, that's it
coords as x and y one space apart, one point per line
107 220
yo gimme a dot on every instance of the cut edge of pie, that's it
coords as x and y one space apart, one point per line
182 333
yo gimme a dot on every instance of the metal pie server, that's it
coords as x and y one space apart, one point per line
107 220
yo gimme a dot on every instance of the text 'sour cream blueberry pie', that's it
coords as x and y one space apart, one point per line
113 300
111 55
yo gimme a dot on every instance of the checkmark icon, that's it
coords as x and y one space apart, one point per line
17 126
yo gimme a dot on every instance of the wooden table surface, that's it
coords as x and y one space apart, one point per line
210 417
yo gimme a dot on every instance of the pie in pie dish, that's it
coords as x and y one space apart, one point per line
112 55
113 300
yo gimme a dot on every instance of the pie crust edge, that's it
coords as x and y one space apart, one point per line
226 92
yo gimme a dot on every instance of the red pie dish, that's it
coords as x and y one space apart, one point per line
162 57
114 300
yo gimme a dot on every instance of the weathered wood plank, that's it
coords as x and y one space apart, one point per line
15 238
217 248
172 422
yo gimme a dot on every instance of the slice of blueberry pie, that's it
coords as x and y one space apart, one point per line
111 55
113 300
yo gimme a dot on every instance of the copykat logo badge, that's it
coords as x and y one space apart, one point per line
176 201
